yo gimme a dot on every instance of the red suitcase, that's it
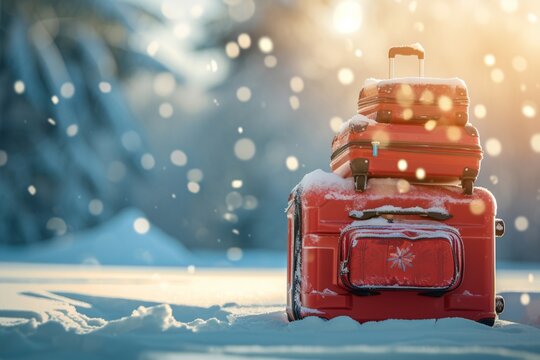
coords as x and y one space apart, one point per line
365 149
414 100
393 252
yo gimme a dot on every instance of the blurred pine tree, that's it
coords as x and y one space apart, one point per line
62 113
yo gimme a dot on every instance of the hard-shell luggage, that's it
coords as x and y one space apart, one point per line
395 251
441 153
416 99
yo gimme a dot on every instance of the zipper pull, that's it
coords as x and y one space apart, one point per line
375 148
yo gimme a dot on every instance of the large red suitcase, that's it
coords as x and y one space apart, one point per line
365 149
393 252
414 100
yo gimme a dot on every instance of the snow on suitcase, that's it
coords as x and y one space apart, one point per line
396 251
414 100
364 149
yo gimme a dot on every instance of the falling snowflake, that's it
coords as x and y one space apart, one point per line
402 258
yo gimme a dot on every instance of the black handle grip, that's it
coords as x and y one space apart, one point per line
369 214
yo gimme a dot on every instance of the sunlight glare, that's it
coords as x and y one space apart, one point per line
348 17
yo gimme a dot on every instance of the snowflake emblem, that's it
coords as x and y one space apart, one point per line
402 258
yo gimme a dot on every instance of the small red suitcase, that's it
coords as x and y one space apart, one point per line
414 100
396 251
365 148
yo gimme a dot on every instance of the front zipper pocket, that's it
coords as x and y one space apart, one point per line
413 255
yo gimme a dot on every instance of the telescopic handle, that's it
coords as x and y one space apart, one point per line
409 50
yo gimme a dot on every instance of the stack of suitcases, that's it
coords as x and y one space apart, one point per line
398 230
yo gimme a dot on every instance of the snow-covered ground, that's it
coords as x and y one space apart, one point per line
99 301
86 312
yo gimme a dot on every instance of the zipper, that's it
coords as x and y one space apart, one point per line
463 150
375 100
351 227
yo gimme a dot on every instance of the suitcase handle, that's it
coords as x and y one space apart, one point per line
409 50
369 214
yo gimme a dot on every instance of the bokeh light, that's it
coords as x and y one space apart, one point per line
166 110
453 133
489 59
141 225
95 207
243 93
193 187
445 103
297 84
237 184
148 161
535 142
244 40
347 16
294 102
477 206
403 186
270 61
345 76
178 158
335 123
519 63
528 109
292 163
480 111
232 50
234 254
525 299
244 149
402 165
521 223
32 190
493 147
19 87
266 45
72 130
497 75
195 175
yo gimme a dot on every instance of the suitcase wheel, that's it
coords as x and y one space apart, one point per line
487 321
360 183
468 186
499 304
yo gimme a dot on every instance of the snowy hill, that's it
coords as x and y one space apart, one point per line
113 243
117 242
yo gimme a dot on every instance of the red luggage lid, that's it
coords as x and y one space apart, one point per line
412 255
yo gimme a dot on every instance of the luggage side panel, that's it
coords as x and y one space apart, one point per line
441 154
406 102
326 211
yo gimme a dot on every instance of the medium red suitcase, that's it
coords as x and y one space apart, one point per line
365 149
396 251
414 100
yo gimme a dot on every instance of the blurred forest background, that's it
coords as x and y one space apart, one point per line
204 114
